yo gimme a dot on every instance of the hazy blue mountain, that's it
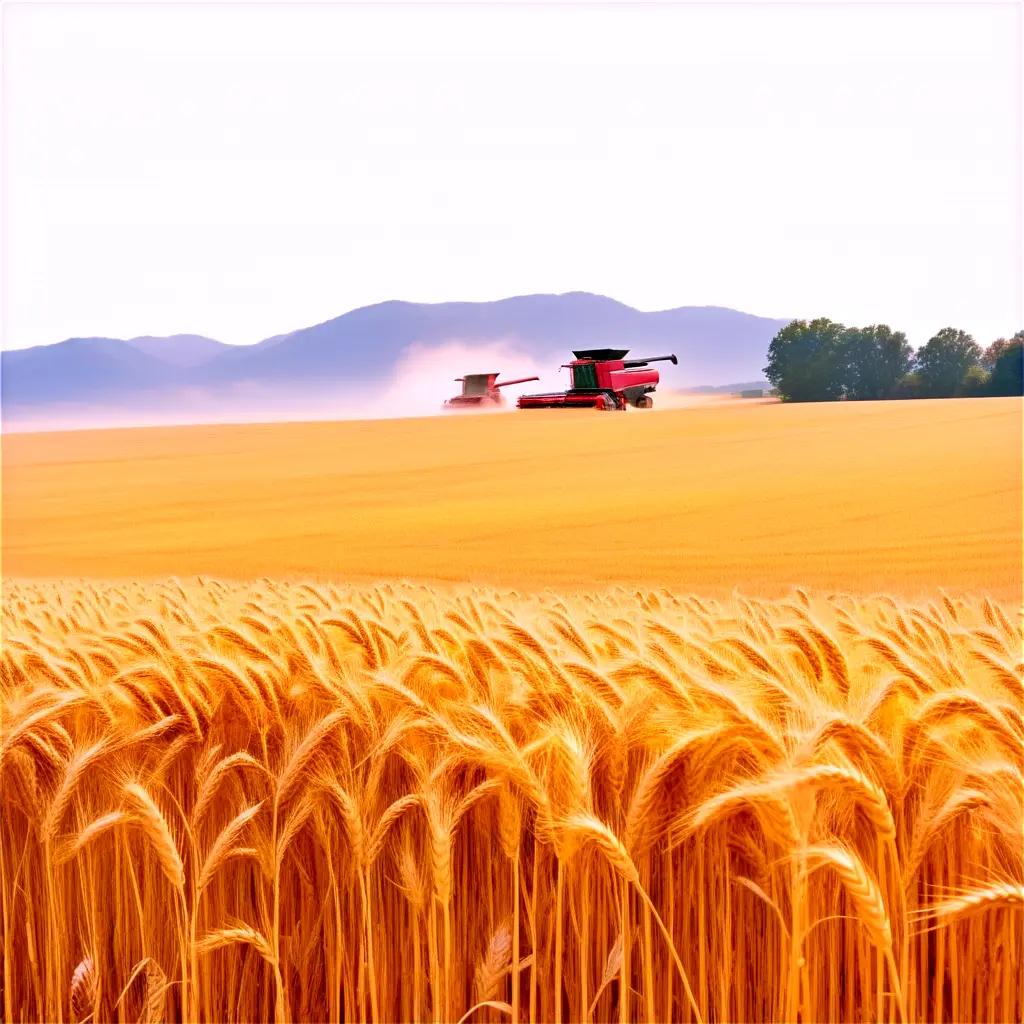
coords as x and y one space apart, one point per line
186 350
200 376
81 370
107 369
714 345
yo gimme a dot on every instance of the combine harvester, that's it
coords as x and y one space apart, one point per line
481 389
603 378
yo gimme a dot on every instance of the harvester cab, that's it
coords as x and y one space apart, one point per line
603 378
482 389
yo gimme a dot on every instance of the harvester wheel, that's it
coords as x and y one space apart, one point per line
644 402
605 403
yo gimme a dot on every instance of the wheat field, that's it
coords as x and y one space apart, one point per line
899 498
286 801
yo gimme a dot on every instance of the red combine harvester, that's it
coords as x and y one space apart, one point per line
482 389
603 378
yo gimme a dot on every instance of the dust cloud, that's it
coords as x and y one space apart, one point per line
420 382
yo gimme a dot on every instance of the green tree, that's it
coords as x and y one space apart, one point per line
908 386
805 361
875 360
992 353
976 383
1005 360
942 364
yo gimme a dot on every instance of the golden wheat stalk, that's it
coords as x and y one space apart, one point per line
247 801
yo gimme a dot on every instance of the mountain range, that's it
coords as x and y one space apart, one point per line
380 349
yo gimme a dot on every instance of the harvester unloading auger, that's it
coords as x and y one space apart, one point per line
481 389
603 378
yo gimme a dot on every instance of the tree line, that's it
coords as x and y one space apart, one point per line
821 361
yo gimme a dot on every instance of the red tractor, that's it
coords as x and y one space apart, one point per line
481 389
603 378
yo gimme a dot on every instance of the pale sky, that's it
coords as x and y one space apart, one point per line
240 170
